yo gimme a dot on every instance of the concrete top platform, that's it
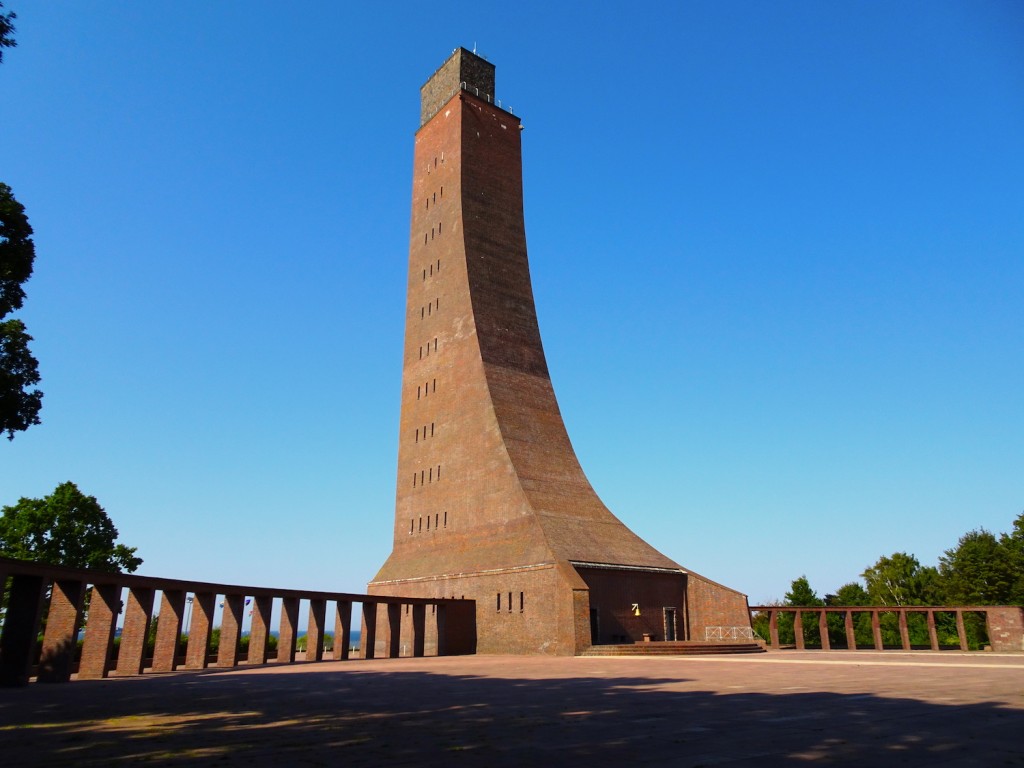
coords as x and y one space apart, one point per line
853 708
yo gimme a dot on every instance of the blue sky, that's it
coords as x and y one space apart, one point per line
777 250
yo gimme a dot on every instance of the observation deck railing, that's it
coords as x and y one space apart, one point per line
54 603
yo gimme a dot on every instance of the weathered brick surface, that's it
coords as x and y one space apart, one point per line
315 630
260 629
287 634
62 622
1006 628
200 626
136 626
230 631
104 605
491 500
168 630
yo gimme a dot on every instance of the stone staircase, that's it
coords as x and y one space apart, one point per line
677 648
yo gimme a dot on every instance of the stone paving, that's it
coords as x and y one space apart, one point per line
782 708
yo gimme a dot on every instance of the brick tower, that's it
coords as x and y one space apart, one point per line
491 501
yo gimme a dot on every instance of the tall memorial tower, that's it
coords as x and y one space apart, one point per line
491 501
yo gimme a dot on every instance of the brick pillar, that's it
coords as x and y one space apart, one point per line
442 629
62 623
393 631
419 627
961 631
342 630
933 635
260 630
369 638
286 633
851 634
315 629
904 633
230 631
104 605
21 628
876 630
136 626
168 630
773 629
798 630
826 644
199 630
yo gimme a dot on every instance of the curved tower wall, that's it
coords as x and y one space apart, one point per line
491 501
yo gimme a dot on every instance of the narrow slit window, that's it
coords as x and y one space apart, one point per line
431 233
438 471
446 518
510 602
421 313
442 191
521 602
424 242
422 474
428 522
435 386
429 309
431 429
435 520
499 602
438 265
439 227
421 524
413 479
430 477
417 434
437 303
435 197
421 353
412 525
435 344
431 269
417 391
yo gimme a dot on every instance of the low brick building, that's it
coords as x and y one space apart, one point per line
491 501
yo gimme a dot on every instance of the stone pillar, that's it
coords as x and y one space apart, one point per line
369 630
199 630
260 630
826 644
168 630
286 634
137 614
62 623
419 627
773 629
21 628
104 605
904 634
851 634
876 631
933 635
798 629
393 638
315 629
230 631
961 631
342 630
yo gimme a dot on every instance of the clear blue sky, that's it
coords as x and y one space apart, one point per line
777 250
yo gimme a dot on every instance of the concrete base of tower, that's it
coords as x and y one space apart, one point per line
561 609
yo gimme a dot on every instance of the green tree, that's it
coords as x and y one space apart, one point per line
900 579
19 405
1013 546
65 528
6 30
979 570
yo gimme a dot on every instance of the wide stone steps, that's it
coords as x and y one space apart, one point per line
678 648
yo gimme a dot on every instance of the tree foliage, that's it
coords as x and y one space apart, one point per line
19 371
65 528
900 579
6 30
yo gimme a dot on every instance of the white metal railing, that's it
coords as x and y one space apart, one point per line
730 633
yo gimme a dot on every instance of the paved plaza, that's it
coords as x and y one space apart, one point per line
853 708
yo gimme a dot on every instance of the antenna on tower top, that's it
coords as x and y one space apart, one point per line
474 48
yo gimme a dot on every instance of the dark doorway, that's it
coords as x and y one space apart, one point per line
595 633
670 624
